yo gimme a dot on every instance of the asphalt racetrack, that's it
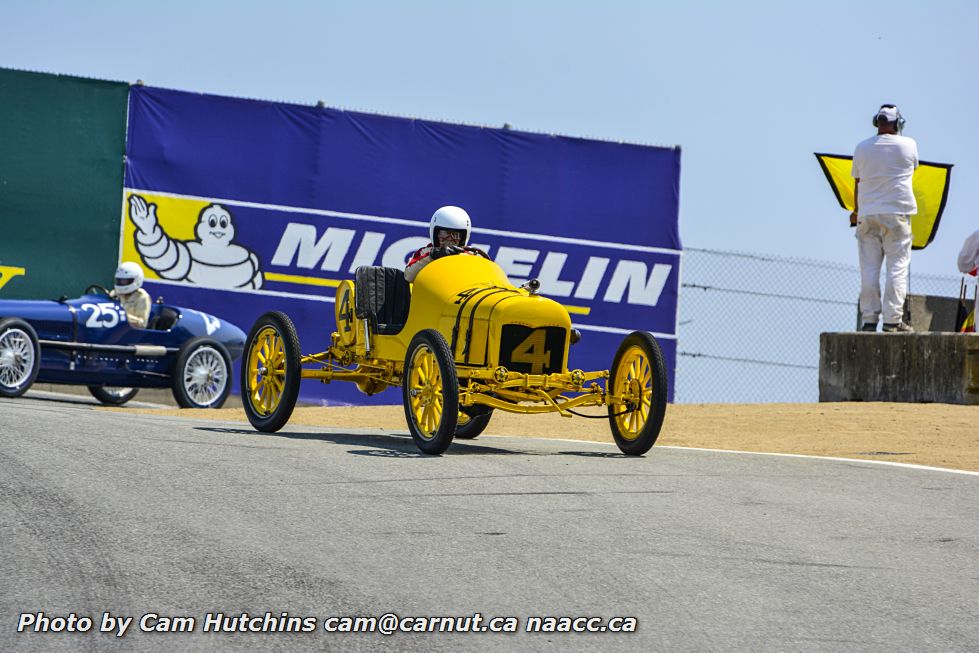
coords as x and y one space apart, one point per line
134 514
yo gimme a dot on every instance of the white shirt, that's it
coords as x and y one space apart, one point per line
884 164
969 256
137 306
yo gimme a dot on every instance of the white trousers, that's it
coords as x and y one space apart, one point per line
879 237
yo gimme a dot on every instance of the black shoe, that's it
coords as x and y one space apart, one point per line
868 326
900 327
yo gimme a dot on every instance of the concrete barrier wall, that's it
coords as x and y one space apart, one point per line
902 367
929 313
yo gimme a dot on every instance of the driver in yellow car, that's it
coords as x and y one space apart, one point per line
449 230
129 291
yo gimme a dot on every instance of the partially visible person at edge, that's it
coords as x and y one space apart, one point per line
968 259
968 263
449 231
129 291
883 202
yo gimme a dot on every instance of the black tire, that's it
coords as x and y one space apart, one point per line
441 393
473 421
257 387
20 357
202 374
636 430
116 396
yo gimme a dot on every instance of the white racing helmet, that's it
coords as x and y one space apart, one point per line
454 218
129 278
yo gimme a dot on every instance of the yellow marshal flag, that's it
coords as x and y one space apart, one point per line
930 184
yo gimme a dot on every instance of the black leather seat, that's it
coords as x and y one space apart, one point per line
382 296
162 318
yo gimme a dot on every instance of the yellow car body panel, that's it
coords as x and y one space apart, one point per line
469 300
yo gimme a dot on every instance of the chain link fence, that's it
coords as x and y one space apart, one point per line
750 323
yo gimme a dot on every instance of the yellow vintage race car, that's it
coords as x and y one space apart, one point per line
462 341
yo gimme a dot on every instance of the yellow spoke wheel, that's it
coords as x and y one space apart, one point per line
472 421
270 372
267 371
638 380
430 390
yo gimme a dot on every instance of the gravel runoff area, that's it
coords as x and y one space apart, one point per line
938 435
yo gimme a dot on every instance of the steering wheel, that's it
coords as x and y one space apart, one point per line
449 250
97 287
476 250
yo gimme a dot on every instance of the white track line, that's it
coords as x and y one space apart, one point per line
765 453
845 460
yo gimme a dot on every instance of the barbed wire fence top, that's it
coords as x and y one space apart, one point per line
750 323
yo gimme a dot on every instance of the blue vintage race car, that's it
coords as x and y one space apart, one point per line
88 341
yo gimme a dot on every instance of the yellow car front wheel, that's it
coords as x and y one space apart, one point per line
638 379
270 372
430 390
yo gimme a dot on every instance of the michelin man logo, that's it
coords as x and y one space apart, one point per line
211 260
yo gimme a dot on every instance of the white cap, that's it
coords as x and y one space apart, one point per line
889 114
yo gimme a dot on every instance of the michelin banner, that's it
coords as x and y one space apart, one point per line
240 206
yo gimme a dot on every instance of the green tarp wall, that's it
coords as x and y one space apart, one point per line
62 147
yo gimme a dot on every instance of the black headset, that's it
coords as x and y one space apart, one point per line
900 118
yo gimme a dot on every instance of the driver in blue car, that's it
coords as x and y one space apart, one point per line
129 291
449 231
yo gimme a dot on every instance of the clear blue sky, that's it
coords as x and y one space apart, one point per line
748 89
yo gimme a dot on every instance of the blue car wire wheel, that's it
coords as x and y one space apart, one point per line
20 357
112 395
202 375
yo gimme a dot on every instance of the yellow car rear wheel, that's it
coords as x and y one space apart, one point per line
472 421
638 374
430 389
270 372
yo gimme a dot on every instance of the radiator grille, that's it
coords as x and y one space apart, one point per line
533 351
